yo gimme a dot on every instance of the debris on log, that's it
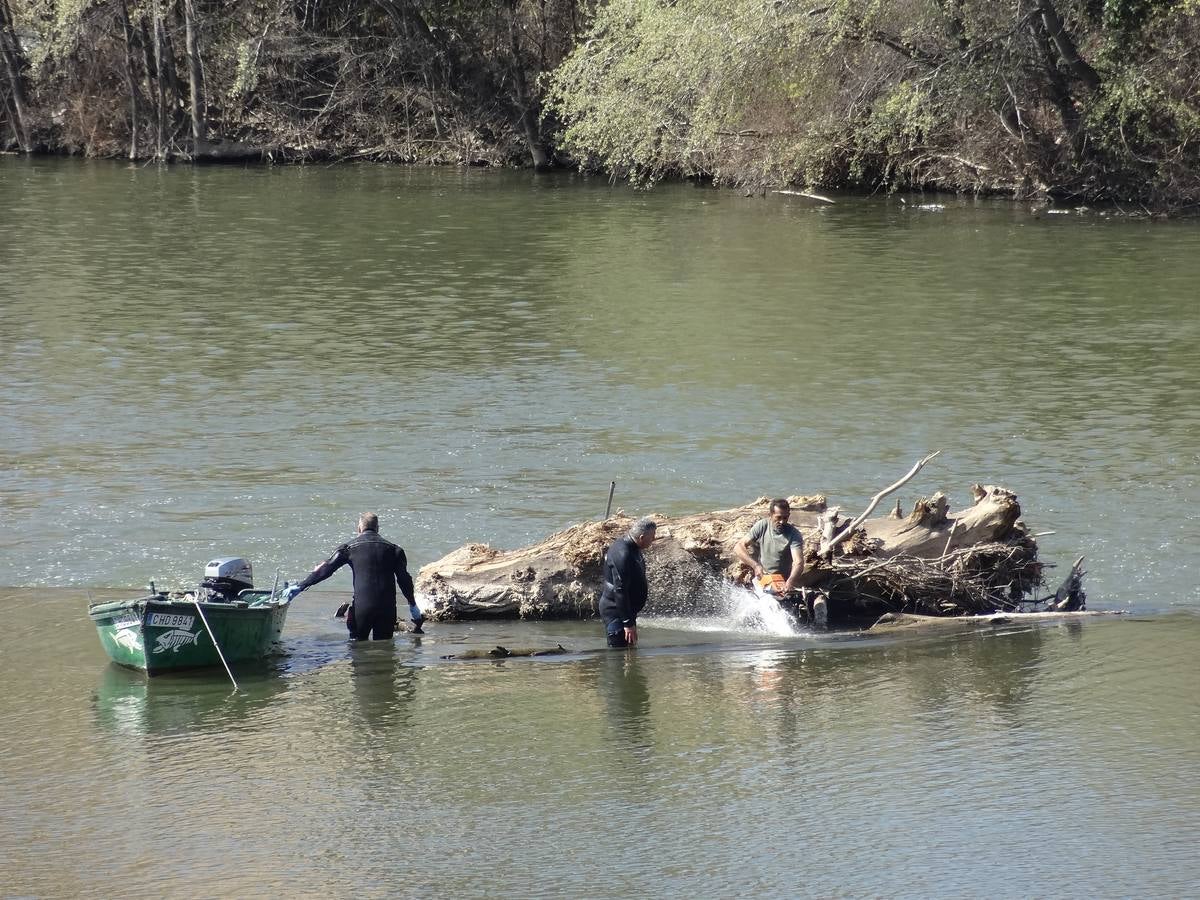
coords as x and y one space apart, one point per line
933 562
1070 596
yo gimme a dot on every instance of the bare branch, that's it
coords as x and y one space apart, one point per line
826 547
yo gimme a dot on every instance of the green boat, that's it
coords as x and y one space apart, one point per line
172 632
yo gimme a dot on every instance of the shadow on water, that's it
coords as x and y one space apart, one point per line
377 683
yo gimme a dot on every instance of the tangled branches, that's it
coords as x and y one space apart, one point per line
975 580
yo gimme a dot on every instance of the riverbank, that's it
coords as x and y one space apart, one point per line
1079 106
918 199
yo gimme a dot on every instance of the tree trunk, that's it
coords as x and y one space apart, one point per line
1066 45
14 68
154 91
410 23
167 63
1057 86
525 105
130 79
195 76
160 125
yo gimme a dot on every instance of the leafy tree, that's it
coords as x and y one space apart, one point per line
1025 96
407 80
1084 98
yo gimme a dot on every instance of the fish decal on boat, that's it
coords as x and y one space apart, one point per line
174 639
129 639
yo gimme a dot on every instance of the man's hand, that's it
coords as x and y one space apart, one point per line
414 613
631 635
290 591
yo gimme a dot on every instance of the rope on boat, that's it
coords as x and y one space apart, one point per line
212 635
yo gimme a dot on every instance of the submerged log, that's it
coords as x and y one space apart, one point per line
933 562
904 622
222 150
499 652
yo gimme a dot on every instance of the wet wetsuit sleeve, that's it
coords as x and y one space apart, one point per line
340 557
403 578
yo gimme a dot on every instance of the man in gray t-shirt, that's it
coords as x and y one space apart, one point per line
780 553
780 546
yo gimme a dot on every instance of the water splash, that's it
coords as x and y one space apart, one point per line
758 613
728 608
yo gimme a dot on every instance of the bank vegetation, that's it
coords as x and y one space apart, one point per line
1096 101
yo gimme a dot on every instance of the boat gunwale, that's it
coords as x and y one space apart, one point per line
141 604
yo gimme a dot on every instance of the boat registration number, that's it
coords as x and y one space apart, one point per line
171 620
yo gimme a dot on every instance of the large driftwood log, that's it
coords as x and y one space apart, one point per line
932 562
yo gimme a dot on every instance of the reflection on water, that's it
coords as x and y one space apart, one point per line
698 763
383 688
130 703
624 689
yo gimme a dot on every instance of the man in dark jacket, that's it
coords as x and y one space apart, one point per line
625 587
378 566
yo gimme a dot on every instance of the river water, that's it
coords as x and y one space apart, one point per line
223 361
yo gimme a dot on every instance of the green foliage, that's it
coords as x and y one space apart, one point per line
624 94
958 94
246 78
56 26
1147 115
736 90
660 89
1127 16
947 93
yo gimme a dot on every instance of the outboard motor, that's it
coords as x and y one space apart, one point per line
224 578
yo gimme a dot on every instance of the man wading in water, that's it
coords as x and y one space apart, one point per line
625 587
378 566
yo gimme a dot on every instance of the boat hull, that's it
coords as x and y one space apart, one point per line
158 634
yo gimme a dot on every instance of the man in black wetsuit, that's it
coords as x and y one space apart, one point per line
625 587
378 566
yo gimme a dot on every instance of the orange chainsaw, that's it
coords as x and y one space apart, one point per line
771 583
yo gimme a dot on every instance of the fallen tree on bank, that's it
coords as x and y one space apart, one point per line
933 561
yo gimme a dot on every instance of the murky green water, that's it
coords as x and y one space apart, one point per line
202 362
1030 760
